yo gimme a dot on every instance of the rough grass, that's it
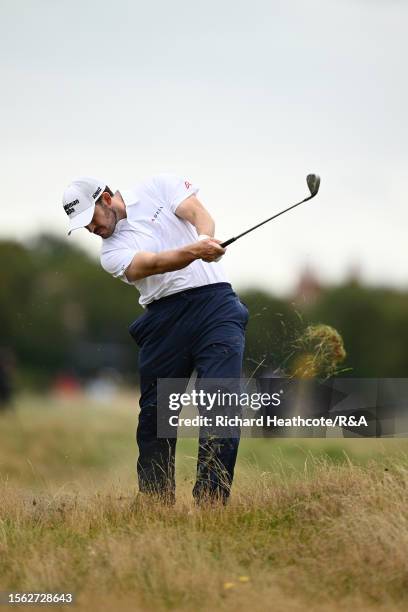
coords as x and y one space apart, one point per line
305 528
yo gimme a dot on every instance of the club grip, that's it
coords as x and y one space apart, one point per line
227 242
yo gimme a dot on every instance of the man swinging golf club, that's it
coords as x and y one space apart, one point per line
158 237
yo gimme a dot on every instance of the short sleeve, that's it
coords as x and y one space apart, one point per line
115 262
174 189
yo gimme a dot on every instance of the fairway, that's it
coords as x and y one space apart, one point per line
315 523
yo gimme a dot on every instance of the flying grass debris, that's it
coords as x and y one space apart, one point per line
318 351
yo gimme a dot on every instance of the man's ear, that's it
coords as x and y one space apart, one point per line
106 198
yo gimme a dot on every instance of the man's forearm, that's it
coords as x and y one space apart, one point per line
193 211
176 259
148 264
205 225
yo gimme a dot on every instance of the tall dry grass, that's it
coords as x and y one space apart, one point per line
307 527
333 538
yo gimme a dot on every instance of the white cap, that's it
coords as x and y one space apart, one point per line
79 200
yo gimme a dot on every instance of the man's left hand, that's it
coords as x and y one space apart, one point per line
205 237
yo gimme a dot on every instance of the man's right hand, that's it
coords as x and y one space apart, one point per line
208 250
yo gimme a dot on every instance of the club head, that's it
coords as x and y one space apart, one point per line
313 182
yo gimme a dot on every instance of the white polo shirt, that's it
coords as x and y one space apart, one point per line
152 225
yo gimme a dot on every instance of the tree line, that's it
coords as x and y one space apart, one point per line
60 312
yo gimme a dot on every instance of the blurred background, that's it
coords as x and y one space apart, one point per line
65 322
243 99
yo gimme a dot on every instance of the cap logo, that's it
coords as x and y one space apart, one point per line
97 192
70 207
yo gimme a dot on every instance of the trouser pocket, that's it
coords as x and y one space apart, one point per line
243 310
136 328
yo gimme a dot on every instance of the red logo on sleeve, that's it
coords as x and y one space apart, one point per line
187 184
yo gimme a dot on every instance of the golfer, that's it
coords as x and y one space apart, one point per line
159 238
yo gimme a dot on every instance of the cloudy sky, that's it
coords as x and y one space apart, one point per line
242 98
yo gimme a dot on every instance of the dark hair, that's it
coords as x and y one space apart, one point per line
106 190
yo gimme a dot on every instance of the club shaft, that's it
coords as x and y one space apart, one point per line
231 240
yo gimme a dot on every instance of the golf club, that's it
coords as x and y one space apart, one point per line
313 182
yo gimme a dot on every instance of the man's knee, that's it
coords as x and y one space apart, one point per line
147 425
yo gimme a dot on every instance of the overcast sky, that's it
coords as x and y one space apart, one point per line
242 98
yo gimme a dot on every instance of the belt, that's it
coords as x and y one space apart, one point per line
188 292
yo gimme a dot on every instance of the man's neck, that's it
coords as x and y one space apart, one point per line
119 206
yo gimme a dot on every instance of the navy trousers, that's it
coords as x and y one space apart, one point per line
204 329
